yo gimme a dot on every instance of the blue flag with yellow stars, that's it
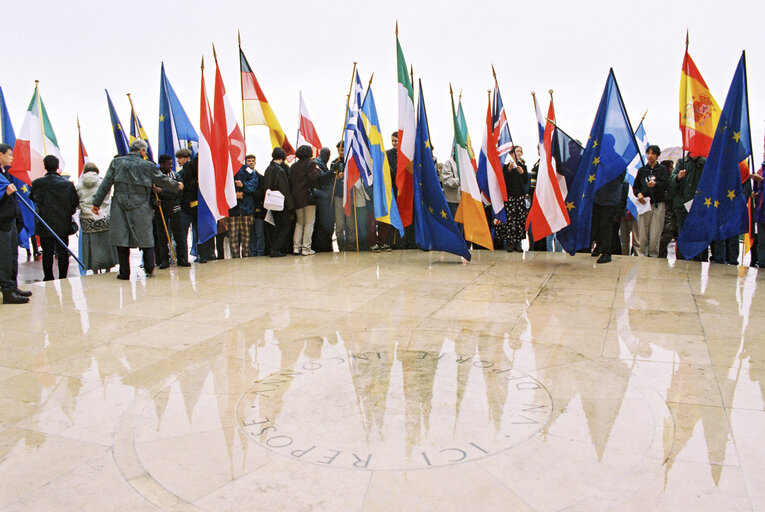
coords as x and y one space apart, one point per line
610 148
9 137
434 226
119 134
719 209
175 129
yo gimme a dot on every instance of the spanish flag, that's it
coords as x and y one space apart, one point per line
257 111
699 112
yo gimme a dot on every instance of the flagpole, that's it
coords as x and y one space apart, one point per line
686 105
79 148
342 136
40 116
241 86
24 202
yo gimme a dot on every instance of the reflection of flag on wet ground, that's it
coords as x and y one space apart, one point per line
435 229
719 208
610 148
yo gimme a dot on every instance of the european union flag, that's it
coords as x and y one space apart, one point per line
719 208
175 129
610 148
9 137
137 132
119 134
435 229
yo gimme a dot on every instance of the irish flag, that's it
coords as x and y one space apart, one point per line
35 140
257 111
406 135
470 211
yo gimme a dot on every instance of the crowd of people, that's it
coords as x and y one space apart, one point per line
299 209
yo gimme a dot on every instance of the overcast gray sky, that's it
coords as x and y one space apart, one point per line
78 48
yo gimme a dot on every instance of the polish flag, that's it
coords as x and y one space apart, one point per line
548 213
306 130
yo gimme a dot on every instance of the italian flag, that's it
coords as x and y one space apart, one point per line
406 134
35 140
470 211
257 110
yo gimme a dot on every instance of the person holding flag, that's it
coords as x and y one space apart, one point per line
10 218
131 217
650 187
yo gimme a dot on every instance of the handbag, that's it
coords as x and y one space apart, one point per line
274 200
312 195
73 227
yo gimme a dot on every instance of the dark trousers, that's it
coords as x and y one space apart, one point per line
725 251
123 254
669 232
9 259
50 246
603 223
204 249
282 230
175 226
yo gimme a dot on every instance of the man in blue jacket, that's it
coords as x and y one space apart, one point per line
239 220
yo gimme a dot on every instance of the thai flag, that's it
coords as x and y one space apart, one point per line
499 121
358 157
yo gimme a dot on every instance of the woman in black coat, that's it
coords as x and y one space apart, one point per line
516 176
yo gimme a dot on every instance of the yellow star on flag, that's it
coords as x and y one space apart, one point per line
570 206
443 214
24 189
591 178
595 143
731 195
161 117
596 161
708 202
717 203
736 136
430 209
427 143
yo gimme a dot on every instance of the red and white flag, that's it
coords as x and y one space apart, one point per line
306 130
228 145
548 213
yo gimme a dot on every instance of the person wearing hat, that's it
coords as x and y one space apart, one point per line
275 178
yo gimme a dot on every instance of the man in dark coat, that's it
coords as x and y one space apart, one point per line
651 184
10 219
168 205
276 179
131 215
56 200
325 216
682 185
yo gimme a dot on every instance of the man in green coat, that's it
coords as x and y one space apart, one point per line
682 187
131 215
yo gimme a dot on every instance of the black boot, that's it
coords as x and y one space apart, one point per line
11 297
23 293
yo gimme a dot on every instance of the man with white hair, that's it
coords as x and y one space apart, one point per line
131 216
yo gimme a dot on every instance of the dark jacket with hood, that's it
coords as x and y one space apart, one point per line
303 176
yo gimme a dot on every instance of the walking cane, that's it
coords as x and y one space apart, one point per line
24 202
164 224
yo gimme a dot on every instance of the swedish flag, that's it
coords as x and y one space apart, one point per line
719 208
